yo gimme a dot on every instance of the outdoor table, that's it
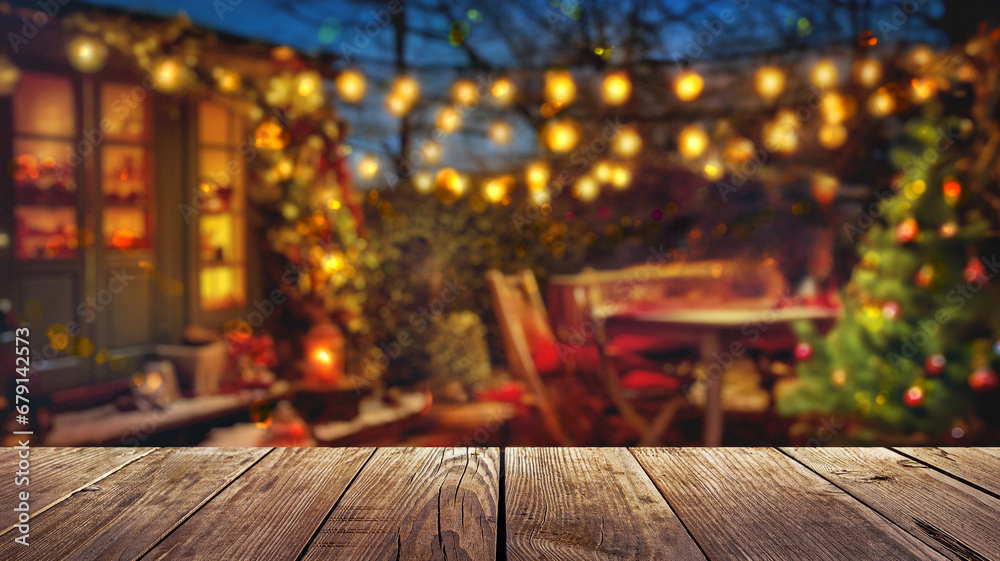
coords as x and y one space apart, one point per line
716 332
515 503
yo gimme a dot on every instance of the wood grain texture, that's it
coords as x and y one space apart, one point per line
416 503
124 514
55 473
957 520
977 466
757 503
271 511
588 503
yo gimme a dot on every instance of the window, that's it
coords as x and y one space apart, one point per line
222 221
46 154
125 173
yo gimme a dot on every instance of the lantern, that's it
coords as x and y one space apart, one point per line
617 88
324 347
559 86
769 82
688 85
87 54
351 85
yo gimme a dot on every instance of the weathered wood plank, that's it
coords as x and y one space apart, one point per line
588 503
957 520
978 466
124 514
757 503
271 511
416 503
55 473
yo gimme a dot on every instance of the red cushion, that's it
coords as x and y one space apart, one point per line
623 344
646 380
547 359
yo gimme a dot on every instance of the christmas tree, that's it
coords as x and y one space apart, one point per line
914 350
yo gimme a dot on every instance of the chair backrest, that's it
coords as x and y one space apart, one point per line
522 317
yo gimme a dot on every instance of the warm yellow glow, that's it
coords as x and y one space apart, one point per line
333 262
449 186
423 182
769 82
431 151
503 91
323 356
832 136
881 103
603 170
226 80
170 75
921 56
621 177
617 88
561 136
87 54
559 87
269 135
307 82
688 85
537 175
627 143
464 92
712 169
500 132
10 76
396 105
824 187
824 74
780 134
407 89
868 72
692 141
739 150
922 89
351 85
448 119
497 188
368 166
834 108
586 188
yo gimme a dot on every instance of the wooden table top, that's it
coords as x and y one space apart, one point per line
514 503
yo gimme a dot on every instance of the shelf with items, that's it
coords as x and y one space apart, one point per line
45 232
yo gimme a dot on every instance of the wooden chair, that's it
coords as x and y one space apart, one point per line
519 308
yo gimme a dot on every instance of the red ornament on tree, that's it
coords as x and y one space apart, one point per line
975 270
914 397
907 230
934 365
803 351
983 380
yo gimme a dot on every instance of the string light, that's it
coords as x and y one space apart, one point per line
87 54
496 189
448 119
780 134
464 92
431 152
449 185
170 75
881 103
586 188
692 141
368 166
769 82
832 136
688 85
922 89
617 88
537 175
226 80
423 182
868 72
503 91
500 132
627 143
824 74
407 88
561 136
621 177
559 87
351 85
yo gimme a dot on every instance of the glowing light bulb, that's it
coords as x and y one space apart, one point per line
559 86
688 85
692 141
627 143
824 74
407 89
586 188
832 136
503 91
617 88
500 132
537 175
351 85
881 103
448 119
87 54
423 182
561 136
170 75
868 72
769 82
464 92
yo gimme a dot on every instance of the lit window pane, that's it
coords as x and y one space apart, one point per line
222 287
44 105
123 111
